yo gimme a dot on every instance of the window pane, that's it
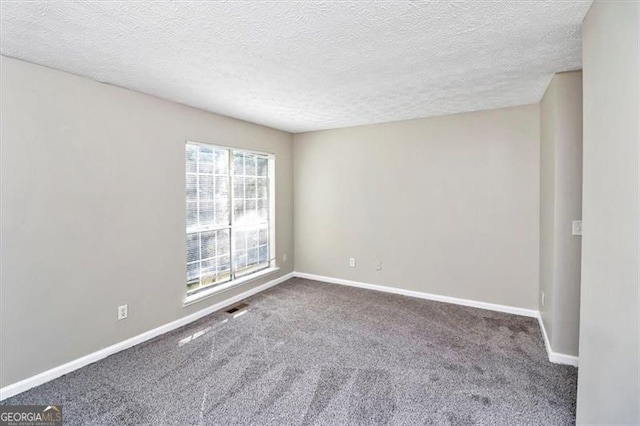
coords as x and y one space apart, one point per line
222 162
238 163
221 187
252 237
193 271
222 214
263 254
205 159
240 260
262 188
250 165
192 215
223 241
208 272
192 187
250 187
238 188
193 247
205 187
252 256
250 211
207 244
205 213
263 238
222 200
224 265
208 268
191 157
238 211
263 210
239 239
263 167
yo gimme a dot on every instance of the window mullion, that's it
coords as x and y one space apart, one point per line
198 217
200 258
245 251
232 269
268 180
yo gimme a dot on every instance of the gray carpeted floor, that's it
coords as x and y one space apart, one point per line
305 352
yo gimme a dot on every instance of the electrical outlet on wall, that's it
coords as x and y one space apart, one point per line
379 265
543 298
123 311
284 258
352 262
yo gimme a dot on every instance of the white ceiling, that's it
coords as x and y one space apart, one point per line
301 66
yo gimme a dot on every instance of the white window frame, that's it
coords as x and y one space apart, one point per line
195 295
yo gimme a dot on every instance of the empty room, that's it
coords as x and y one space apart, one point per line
320 212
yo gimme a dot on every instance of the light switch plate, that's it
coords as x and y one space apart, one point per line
123 312
576 227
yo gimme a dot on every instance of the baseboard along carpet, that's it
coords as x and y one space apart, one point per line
306 352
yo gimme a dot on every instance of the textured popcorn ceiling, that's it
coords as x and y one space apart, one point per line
301 66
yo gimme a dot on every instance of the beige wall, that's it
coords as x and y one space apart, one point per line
609 377
560 204
448 204
93 212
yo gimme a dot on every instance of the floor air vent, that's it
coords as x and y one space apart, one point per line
237 308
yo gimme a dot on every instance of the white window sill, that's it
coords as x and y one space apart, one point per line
194 298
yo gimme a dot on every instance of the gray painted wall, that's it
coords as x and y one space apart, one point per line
548 119
608 377
93 212
560 204
448 204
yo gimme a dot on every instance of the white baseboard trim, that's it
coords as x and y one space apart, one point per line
46 376
420 295
556 357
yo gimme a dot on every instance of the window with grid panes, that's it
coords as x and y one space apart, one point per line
228 207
